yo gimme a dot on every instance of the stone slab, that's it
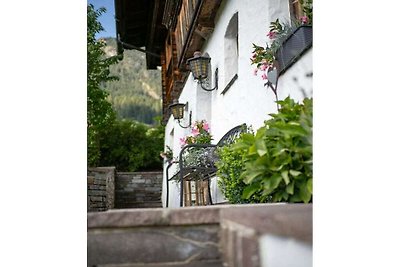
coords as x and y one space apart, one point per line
205 263
155 216
153 245
291 220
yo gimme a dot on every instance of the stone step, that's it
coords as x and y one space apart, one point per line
154 237
169 264
247 235
135 205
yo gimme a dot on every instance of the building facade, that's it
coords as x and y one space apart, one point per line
225 31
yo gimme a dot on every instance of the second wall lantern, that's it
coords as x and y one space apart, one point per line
199 65
178 110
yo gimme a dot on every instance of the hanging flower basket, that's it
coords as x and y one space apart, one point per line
293 47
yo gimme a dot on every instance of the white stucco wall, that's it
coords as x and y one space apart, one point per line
247 100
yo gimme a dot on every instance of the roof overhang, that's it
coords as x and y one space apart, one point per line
139 24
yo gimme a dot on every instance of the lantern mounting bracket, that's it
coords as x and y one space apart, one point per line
216 82
190 121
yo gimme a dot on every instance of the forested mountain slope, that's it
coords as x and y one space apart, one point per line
137 94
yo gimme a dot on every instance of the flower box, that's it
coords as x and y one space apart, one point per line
293 47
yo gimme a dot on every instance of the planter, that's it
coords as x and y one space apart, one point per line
293 47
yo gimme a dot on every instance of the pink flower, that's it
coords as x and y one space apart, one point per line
195 132
271 35
182 141
264 76
304 19
206 127
264 67
255 72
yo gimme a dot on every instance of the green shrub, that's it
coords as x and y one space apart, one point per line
275 164
131 146
230 166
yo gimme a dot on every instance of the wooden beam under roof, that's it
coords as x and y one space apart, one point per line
138 24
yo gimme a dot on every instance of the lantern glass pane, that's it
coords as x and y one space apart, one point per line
204 67
199 67
177 111
180 111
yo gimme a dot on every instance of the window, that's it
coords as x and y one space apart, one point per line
231 50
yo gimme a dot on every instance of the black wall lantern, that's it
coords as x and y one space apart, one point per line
199 65
178 110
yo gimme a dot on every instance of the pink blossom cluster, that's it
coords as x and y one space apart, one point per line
264 57
199 134
264 67
272 34
304 20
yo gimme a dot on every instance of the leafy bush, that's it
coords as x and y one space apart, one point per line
276 162
154 143
131 146
230 166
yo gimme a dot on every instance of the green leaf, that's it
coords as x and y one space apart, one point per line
290 188
247 138
261 147
239 146
294 173
277 197
309 185
250 190
294 198
252 149
272 183
275 180
276 169
285 177
250 175
260 133
280 152
305 195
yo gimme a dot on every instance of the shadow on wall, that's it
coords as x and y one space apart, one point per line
302 89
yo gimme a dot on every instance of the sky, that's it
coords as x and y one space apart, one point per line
106 19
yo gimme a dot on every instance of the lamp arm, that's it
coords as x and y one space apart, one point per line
216 82
207 89
190 121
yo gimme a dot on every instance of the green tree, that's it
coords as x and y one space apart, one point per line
100 113
154 145
131 146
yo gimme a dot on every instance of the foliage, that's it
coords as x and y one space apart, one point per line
153 143
230 167
99 111
167 155
131 146
264 57
275 164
